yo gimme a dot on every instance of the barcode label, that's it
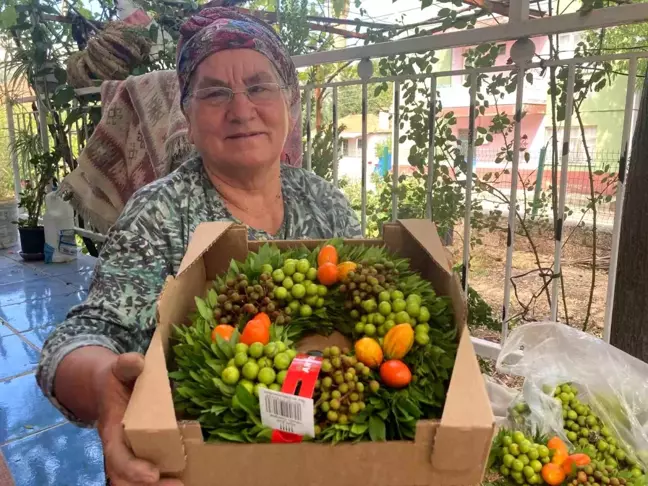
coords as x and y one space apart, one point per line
288 413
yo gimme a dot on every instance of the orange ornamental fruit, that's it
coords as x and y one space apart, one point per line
327 274
255 332
398 341
559 457
368 352
556 443
345 268
328 254
553 474
395 374
263 317
223 330
575 461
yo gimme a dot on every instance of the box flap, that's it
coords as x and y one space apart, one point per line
421 230
201 240
467 423
149 422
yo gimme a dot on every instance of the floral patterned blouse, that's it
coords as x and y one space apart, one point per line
147 244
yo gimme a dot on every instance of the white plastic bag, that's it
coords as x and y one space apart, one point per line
613 383
58 223
501 397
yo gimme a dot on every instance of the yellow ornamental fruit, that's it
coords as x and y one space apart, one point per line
398 341
368 352
345 268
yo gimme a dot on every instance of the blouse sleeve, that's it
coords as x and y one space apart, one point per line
119 312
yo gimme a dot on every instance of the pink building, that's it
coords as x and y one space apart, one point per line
455 97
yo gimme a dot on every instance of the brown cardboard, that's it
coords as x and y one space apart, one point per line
452 451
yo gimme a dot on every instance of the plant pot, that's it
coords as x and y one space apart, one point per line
32 243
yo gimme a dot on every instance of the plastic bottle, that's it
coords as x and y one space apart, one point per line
58 221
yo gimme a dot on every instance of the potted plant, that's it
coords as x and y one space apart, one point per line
32 235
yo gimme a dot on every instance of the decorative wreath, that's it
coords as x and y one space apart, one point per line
402 343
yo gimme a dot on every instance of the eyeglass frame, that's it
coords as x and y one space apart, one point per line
245 91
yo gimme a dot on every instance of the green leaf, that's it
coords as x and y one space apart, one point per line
212 296
205 311
63 95
359 429
246 400
225 347
218 352
377 430
177 375
229 436
226 390
217 409
234 267
8 17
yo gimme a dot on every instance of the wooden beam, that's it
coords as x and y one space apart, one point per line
499 8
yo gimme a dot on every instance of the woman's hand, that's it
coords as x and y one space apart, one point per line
114 387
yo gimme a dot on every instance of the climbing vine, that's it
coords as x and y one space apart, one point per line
39 37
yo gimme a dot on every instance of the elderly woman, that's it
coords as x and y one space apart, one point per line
240 96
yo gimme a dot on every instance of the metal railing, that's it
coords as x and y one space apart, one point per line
486 348
519 27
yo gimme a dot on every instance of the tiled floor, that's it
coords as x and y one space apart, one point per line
40 447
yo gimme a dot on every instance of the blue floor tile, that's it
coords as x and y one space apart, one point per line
82 279
14 293
83 263
37 337
18 272
41 313
24 409
63 456
5 261
11 254
16 356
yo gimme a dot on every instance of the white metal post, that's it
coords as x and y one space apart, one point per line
620 193
470 157
42 125
395 149
309 109
431 142
510 241
363 216
564 175
336 149
518 11
12 148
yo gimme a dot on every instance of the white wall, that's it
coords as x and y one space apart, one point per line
351 166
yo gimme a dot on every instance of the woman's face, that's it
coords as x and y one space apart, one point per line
244 132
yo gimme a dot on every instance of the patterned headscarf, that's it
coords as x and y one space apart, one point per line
216 29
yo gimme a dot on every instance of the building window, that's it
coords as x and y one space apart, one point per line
567 44
463 137
577 154
359 145
345 147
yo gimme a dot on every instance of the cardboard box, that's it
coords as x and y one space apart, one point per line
452 451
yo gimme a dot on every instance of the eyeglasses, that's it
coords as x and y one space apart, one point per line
259 94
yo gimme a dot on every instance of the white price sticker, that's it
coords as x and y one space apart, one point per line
286 412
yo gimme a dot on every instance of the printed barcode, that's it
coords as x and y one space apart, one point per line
287 427
283 408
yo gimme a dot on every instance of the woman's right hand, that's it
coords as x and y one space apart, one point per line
114 387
